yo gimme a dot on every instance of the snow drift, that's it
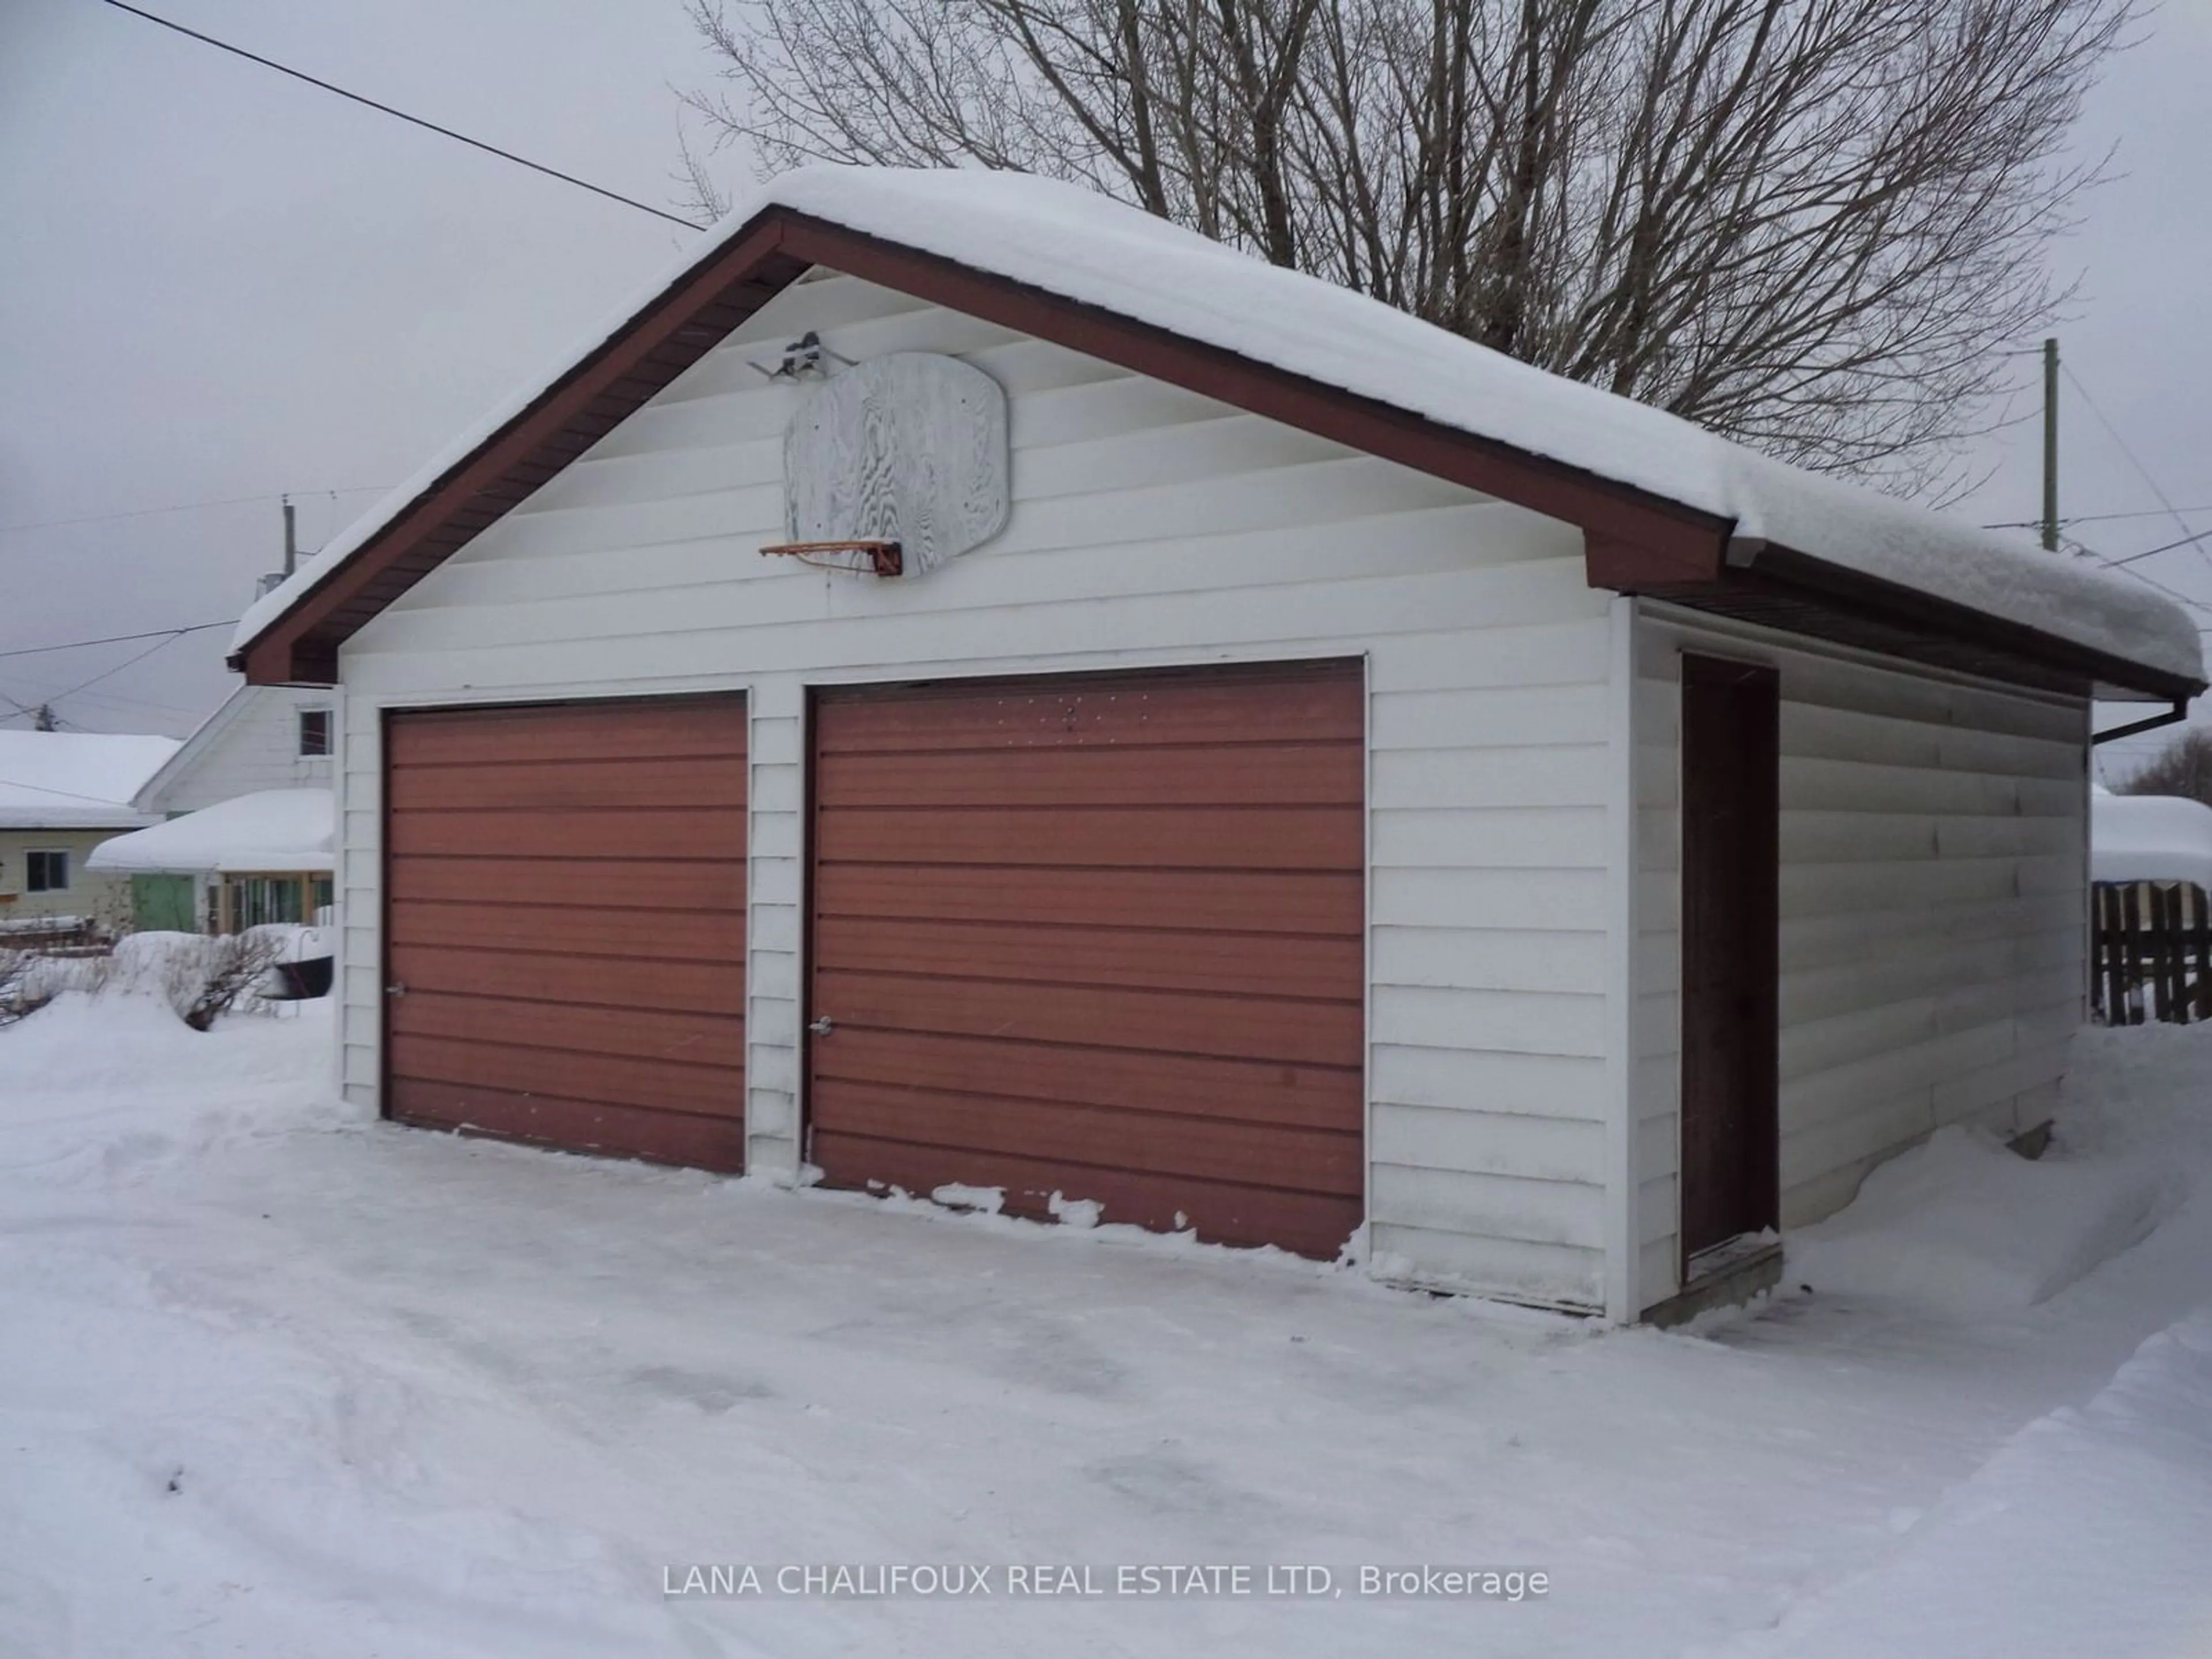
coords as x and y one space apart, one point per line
2087 1534
1964 1223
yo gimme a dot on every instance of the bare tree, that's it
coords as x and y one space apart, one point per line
2183 767
1809 224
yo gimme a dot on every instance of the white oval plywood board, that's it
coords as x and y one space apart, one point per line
908 447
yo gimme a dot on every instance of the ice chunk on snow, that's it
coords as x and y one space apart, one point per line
958 1196
1075 1211
1964 1223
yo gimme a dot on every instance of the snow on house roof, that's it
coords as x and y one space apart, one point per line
74 780
2151 838
275 830
1073 243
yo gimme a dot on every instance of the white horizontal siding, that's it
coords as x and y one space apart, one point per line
775 887
1932 907
1150 526
257 748
358 972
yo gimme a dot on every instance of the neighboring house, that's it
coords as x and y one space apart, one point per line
62 793
262 740
1360 789
255 859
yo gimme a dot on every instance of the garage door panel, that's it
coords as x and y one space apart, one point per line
637 1033
1234 708
583 732
1165 1022
1278 774
1219 1213
564 908
1192 838
1260 1092
1254 904
618 1080
716 781
577 1125
589 930
1290 965
607 832
1046 1133
1099 937
702 988
630 885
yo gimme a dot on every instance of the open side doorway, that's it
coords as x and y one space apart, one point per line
1731 874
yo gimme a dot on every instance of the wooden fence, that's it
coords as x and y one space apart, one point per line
2151 952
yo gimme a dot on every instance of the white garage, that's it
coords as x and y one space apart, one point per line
1676 835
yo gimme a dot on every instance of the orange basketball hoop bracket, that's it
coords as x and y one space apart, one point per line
883 558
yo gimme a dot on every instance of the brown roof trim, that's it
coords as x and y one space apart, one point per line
701 308
1777 586
1635 541
1680 534
675 330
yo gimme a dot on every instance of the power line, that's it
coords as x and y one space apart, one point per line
182 506
116 700
416 120
2099 518
67 794
165 635
106 673
2189 536
2115 566
2165 547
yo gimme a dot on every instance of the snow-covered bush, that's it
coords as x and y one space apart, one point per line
17 997
202 976
29 981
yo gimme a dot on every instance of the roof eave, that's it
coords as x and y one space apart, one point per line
1801 592
1635 541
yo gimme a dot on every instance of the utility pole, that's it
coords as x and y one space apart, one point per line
2050 446
292 545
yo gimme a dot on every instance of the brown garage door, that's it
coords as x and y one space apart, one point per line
1097 937
565 908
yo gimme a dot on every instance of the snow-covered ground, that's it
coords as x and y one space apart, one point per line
277 1382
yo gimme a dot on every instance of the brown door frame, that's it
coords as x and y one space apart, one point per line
1730 819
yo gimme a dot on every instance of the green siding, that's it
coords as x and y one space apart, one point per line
163 904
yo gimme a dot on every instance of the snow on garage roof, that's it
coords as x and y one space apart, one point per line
2151 838
275 830
75 780
1073 243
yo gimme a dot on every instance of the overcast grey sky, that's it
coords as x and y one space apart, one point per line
215 282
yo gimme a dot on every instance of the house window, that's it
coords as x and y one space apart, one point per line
258 901
46 873
314 730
